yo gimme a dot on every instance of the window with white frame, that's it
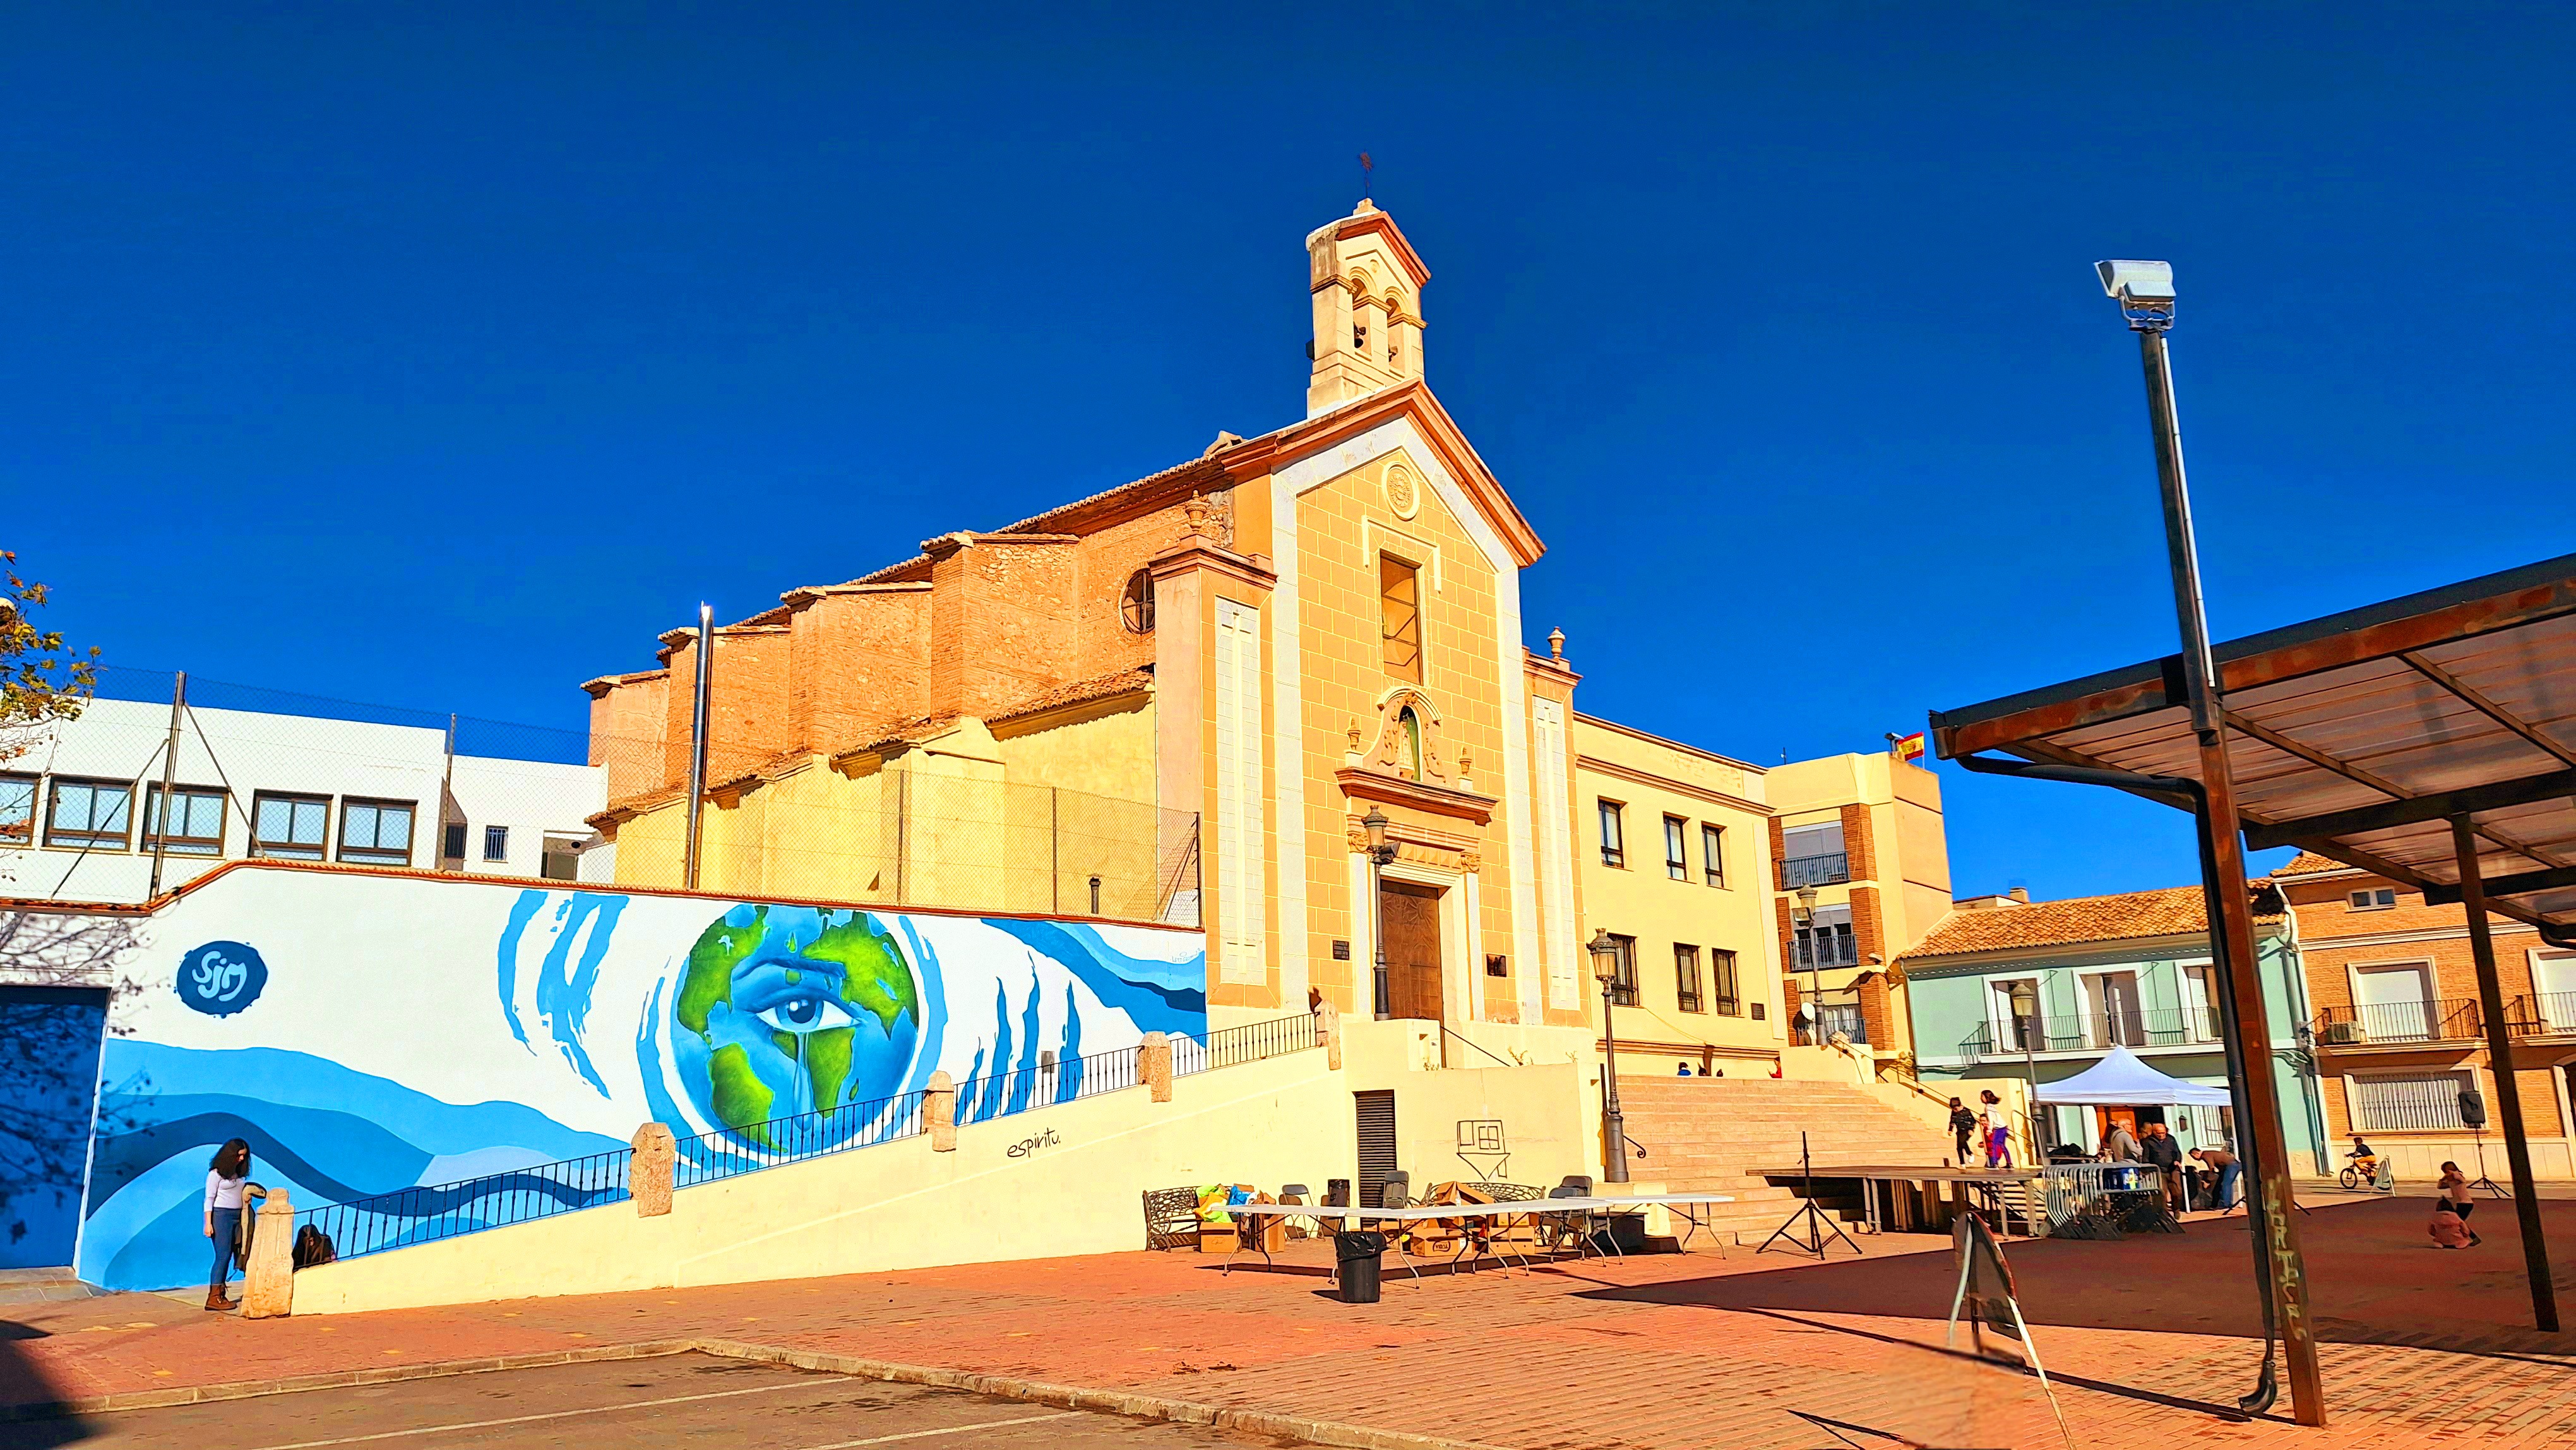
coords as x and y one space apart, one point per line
2426 1102
2015 1007
2375 898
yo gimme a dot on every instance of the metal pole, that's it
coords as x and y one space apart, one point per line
169 782
1381 1001
2517 1149
701 689
2289 1285
447 797
1614 1123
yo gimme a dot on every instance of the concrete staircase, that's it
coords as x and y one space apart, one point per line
1702 1134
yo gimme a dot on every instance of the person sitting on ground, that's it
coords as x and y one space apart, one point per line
1681 1069
1962 1123
2455 1193
2447 1229
2224 1164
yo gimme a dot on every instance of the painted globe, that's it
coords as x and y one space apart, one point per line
788 1010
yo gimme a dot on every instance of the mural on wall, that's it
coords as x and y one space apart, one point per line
370 1034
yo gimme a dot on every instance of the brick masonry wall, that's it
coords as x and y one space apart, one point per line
1001 619
626 724
858 664
1869 925
747 716
1105 562
1860 843
2326 918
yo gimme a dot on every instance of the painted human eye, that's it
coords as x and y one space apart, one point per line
803 1012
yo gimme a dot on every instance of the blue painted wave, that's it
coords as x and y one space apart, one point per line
1158 996
322 1131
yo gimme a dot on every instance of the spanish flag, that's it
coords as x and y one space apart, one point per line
1910 747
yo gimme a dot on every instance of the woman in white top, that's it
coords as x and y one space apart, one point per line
224 1179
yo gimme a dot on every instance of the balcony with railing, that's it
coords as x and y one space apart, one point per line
2092 1032
1844 1018
2544 1014
1830 869
2400 1024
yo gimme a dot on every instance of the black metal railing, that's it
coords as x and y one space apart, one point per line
1826 950
1843 1019
727 1152
1249 1043
2092 1032
432 1212
2443 1019
1826 870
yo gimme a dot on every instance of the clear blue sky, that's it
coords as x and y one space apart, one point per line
444 355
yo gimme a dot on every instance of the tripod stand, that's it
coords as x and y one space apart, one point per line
1811 1224
2493 1188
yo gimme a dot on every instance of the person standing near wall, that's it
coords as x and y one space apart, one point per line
224 1178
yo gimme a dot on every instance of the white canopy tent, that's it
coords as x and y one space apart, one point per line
2122 1078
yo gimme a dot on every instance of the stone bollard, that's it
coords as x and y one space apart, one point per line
939 1112
1154 1065
1328 1030
651 1154
269 1292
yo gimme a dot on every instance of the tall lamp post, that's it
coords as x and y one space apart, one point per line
1803 912
2144 291
1614 1124
1380 852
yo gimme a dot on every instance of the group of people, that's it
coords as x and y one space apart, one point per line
2450 1227
1984 1133
2154 1145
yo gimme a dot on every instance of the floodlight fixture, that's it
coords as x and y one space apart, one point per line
2144 290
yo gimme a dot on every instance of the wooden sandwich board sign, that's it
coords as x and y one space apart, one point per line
1985 1294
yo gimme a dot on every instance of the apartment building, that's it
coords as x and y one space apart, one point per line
2008 987
2398 1031
1863 873
81 811
1677 872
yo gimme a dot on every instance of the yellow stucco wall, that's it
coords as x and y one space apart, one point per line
1073 1189
1018 822
1344 525
1653 779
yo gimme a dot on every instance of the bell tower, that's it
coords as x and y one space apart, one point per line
1367 285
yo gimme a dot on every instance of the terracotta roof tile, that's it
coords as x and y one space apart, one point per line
2309 863
2173 911
1102 687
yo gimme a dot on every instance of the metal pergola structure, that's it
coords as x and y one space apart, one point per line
2429 739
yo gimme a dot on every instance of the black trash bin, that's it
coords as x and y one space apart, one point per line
1356 1262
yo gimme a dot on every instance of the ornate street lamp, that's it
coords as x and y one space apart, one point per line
1380 852
1614 1124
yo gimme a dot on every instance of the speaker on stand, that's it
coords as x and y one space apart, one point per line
2473 1112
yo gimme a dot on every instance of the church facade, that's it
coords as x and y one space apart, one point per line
1222 671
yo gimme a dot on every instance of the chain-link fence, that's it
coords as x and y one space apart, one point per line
163 777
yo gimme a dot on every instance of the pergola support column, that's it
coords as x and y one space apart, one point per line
2517 1148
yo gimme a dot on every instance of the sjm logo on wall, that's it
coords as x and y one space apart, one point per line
221 977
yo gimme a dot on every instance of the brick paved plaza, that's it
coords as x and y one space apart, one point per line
2147 1337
